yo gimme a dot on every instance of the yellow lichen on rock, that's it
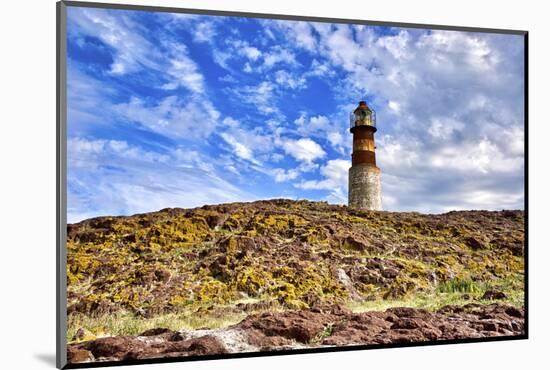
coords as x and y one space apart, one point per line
291 254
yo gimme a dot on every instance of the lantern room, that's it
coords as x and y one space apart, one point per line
363 115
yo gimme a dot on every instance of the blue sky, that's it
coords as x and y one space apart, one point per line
174 110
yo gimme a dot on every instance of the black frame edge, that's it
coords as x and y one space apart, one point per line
526 181
61 184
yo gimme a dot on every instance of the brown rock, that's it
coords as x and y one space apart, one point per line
407 323
514 312
155 331
322 325
493 294
75 355
197 346
215 220
475 242
390 273
162 275
110 347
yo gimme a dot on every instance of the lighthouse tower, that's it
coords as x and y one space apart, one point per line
364 177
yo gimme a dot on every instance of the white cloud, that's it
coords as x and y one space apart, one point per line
336 139
85 152
321 127
311 125
342 50
188 158
514 142
165 64
396 45
443 127
394 106
255 59
442 47
243 48
109 177
290 81
239 149
282 175
335 174
261 96
181 70
252 145
322 70
278 55
335 180
490 199
204 32
194 117
247 68
88 100
276 157
303 150
221 58
397 156
484 157
132 52
449 107
301 33
251 52
231 122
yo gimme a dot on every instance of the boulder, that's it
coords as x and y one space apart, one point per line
493 294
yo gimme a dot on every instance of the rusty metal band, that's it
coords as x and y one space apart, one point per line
363 157
363 144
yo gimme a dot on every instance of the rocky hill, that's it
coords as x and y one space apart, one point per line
211 267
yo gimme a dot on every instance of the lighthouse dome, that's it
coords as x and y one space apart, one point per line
363 115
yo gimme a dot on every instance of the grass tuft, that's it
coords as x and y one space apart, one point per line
129 324
458 285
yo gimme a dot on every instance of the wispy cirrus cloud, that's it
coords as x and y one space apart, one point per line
131 51
172 116
110 177
200 103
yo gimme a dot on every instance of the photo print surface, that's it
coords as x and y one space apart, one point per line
250 185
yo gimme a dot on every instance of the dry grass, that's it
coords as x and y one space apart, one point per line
450 294
129 324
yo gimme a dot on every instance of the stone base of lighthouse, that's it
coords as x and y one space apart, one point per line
364 191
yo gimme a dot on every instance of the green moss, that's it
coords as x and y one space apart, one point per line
198 261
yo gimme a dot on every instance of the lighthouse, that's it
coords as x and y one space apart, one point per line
364 190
